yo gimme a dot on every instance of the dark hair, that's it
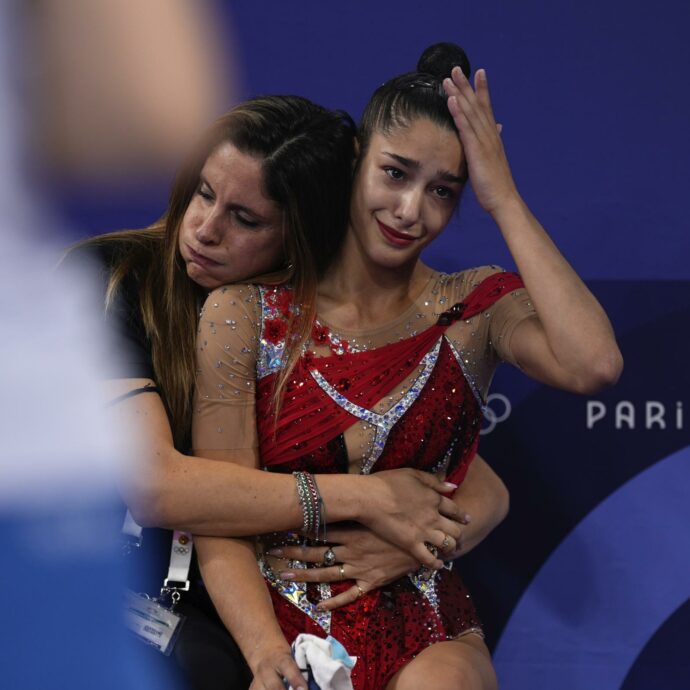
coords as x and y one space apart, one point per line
413 95
307 154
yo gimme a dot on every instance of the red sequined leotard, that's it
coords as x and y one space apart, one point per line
406 395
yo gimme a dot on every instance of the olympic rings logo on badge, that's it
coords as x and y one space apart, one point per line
493 418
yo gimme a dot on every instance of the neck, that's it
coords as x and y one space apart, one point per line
368 292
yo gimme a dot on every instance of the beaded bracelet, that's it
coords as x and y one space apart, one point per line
312 505
321 523
306 503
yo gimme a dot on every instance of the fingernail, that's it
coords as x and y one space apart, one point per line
275 552
450 485
320 608
468 519
287 575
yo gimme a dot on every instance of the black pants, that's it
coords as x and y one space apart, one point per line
205 653
205 657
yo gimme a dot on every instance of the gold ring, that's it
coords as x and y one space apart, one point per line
445 543
341 570
361 592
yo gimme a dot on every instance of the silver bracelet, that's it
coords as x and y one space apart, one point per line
313 509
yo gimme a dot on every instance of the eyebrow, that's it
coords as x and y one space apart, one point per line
444 175
233 207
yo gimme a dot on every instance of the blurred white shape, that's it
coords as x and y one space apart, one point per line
115 88
58 445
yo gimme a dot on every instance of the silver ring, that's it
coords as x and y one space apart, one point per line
329 557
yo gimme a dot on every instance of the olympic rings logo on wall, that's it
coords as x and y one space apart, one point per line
494 417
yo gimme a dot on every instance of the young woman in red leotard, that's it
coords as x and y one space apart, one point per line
391 371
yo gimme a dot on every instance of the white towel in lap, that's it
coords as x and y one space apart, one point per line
329 661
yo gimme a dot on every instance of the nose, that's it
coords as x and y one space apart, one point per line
208 231
409 206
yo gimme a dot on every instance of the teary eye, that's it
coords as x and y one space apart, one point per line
443 192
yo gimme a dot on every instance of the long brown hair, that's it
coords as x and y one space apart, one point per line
307 156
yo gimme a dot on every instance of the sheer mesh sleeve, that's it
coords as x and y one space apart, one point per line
483 341
505 315
224 415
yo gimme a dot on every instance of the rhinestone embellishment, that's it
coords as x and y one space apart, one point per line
296 593
468 376
383 423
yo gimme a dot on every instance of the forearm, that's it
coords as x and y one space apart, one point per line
219 495
577 330
485 498
240 596
220 498
210 497
571 344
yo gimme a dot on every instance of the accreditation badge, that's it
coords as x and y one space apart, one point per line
152 622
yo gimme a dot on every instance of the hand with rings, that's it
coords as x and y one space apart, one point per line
445 547
355 554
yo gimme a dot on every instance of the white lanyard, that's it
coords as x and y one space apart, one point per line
180 562
181 551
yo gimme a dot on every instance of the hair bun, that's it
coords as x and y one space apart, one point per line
440 58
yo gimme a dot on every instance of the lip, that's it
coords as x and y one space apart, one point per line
400 239
201 259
